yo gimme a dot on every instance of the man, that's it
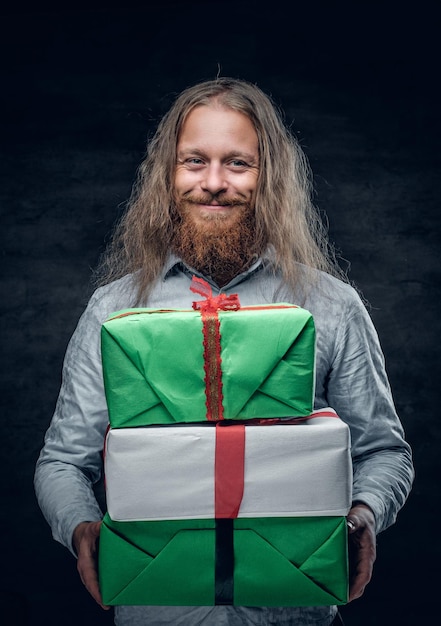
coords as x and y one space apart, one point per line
224 194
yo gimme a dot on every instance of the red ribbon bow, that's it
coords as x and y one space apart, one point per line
212 303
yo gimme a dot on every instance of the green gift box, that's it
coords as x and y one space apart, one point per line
186 365
244 562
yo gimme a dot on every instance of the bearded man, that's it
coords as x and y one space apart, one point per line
224 194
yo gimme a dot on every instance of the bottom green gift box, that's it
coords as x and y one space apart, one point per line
272 561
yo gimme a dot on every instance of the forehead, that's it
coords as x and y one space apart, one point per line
208 126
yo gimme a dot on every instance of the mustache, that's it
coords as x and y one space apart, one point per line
215 199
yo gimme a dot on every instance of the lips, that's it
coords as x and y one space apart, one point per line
215 206
224 206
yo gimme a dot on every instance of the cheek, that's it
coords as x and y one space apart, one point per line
183 181
250 186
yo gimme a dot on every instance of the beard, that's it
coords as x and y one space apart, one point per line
218 246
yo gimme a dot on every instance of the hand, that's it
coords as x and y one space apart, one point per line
85 540
362 548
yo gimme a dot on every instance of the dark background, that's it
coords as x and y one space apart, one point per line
82 87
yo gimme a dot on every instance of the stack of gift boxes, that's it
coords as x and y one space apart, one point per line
223 485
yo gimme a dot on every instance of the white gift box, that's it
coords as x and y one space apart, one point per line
301 468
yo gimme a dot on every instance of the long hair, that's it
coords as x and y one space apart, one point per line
286 217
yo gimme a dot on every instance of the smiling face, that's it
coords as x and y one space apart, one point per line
217 169
217 166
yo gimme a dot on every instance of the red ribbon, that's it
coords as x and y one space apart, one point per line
229 469
211 304
209 309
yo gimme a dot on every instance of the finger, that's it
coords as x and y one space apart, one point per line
94 590
89 579
362 558
356 590
87 563
360 577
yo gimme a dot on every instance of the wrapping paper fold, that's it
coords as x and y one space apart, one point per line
246 514
277 562
155 364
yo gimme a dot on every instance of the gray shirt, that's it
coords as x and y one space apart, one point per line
350 377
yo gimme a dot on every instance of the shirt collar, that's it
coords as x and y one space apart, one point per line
175 264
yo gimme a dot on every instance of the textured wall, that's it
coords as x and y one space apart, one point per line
80 92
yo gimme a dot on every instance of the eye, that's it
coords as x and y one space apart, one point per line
238 164
194 161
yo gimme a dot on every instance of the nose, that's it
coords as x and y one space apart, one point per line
214 179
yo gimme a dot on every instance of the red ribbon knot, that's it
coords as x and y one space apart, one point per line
211 304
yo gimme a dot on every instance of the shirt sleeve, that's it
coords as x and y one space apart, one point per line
359 390
71 459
